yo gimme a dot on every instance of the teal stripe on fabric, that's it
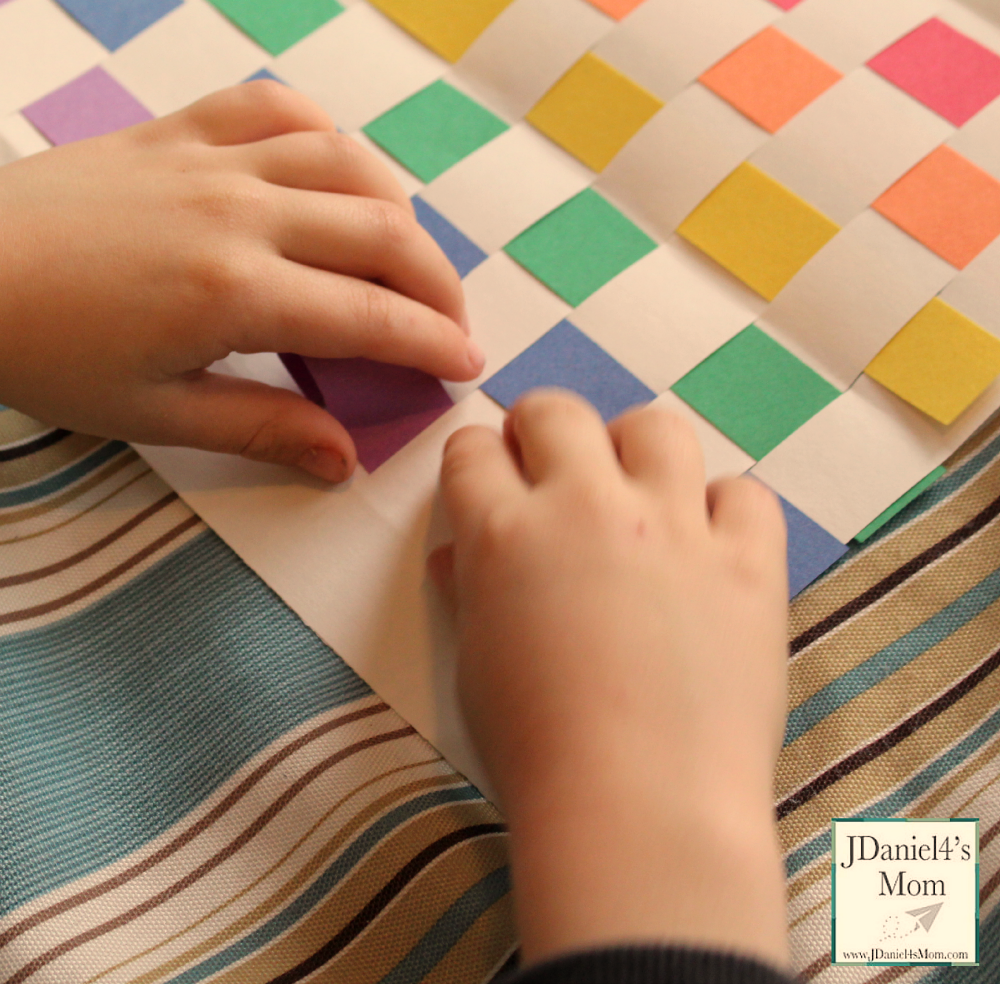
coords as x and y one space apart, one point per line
435 944
142 704
893 657
61 479
326 882
899 799
988 971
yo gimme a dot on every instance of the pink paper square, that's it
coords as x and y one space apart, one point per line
383 407
786 4
942 68
89 106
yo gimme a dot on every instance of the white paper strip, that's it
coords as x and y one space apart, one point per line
843 306
506 186
189 53
669 167
350 562
976 290
859 454
358 65
858 138
667 313
521 55
666 44
846 33
41 48
979 139
508 311
18 138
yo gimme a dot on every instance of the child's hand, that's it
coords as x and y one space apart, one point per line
245 223
622 672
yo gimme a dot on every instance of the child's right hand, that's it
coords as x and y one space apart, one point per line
622 670
130 263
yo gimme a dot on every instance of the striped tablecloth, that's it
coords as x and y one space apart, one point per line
193 787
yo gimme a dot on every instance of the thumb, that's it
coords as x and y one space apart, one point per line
241 416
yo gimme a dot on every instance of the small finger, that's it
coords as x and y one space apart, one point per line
248 112
745 507
320 161
239 416
662 449
369 239
477 475
289 307
559 433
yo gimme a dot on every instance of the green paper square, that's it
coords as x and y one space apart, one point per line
579 247
434 129
755 391
278 24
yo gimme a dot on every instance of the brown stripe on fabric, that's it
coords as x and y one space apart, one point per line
106 578
413 913
343 902
926 806
976 442
52 459
985 839
102 474
12 452
891 769
188 835
896 578
482 950
815 968
810 911
261 821
383 898
263 909
856 643
890 739
23 537
305 874
16 426
842 730
82 555
882 557
808 876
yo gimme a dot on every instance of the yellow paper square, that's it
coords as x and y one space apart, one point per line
593 111
447 27
940 361
758 230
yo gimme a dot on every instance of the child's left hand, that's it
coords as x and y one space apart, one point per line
130 263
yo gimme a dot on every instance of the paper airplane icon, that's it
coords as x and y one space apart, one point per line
926 915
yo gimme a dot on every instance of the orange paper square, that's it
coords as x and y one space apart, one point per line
946 203
617 8
770 78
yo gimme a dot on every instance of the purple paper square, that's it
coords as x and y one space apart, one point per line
383 407
92 105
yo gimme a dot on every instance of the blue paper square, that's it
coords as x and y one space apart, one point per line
464 254
265 73
811 550
566 357
113 22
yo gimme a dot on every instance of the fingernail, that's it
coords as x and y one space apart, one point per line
476 357
325 463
